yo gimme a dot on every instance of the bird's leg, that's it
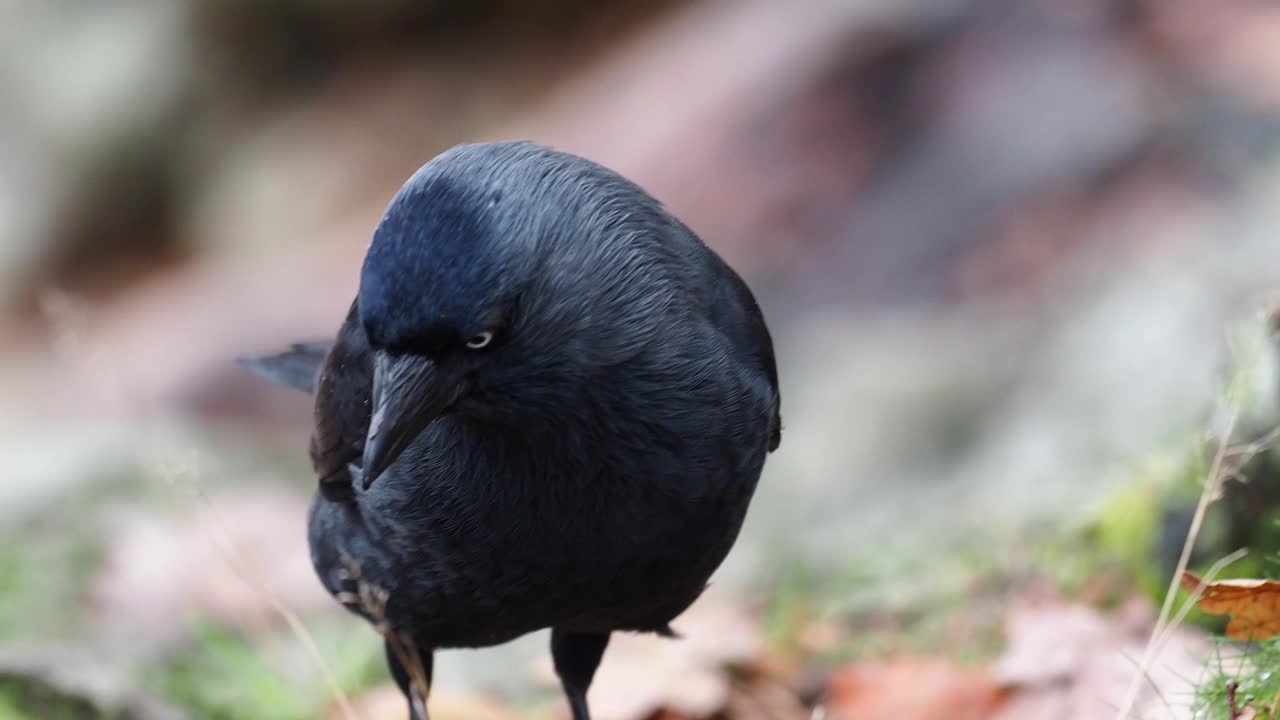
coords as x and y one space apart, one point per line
414 680
576 657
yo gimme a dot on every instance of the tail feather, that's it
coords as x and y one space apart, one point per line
297 367
666 632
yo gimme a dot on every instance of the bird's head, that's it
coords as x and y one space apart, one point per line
495 278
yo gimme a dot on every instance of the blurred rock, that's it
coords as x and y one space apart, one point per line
1234 47
62 684
84 180
266 51
873 149
761 133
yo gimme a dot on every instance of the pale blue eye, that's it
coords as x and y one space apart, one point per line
480 341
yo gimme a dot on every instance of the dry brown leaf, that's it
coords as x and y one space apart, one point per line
1068 661
1050 641
1254 605
763 700
915 688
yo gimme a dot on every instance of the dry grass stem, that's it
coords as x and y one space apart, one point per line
69 320
1161 630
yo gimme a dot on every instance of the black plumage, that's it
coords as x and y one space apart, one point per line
549 406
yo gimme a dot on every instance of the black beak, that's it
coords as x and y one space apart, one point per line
409 391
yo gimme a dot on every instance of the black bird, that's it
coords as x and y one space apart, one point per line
548 407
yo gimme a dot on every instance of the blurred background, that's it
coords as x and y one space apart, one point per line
1015 254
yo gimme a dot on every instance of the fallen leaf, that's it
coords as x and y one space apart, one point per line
1254 605
915 688
1048 642
1068 661
762 700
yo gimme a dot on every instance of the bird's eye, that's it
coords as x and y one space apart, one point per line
479 341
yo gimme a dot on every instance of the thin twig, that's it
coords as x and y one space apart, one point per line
1206 496
1249 449
291 618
